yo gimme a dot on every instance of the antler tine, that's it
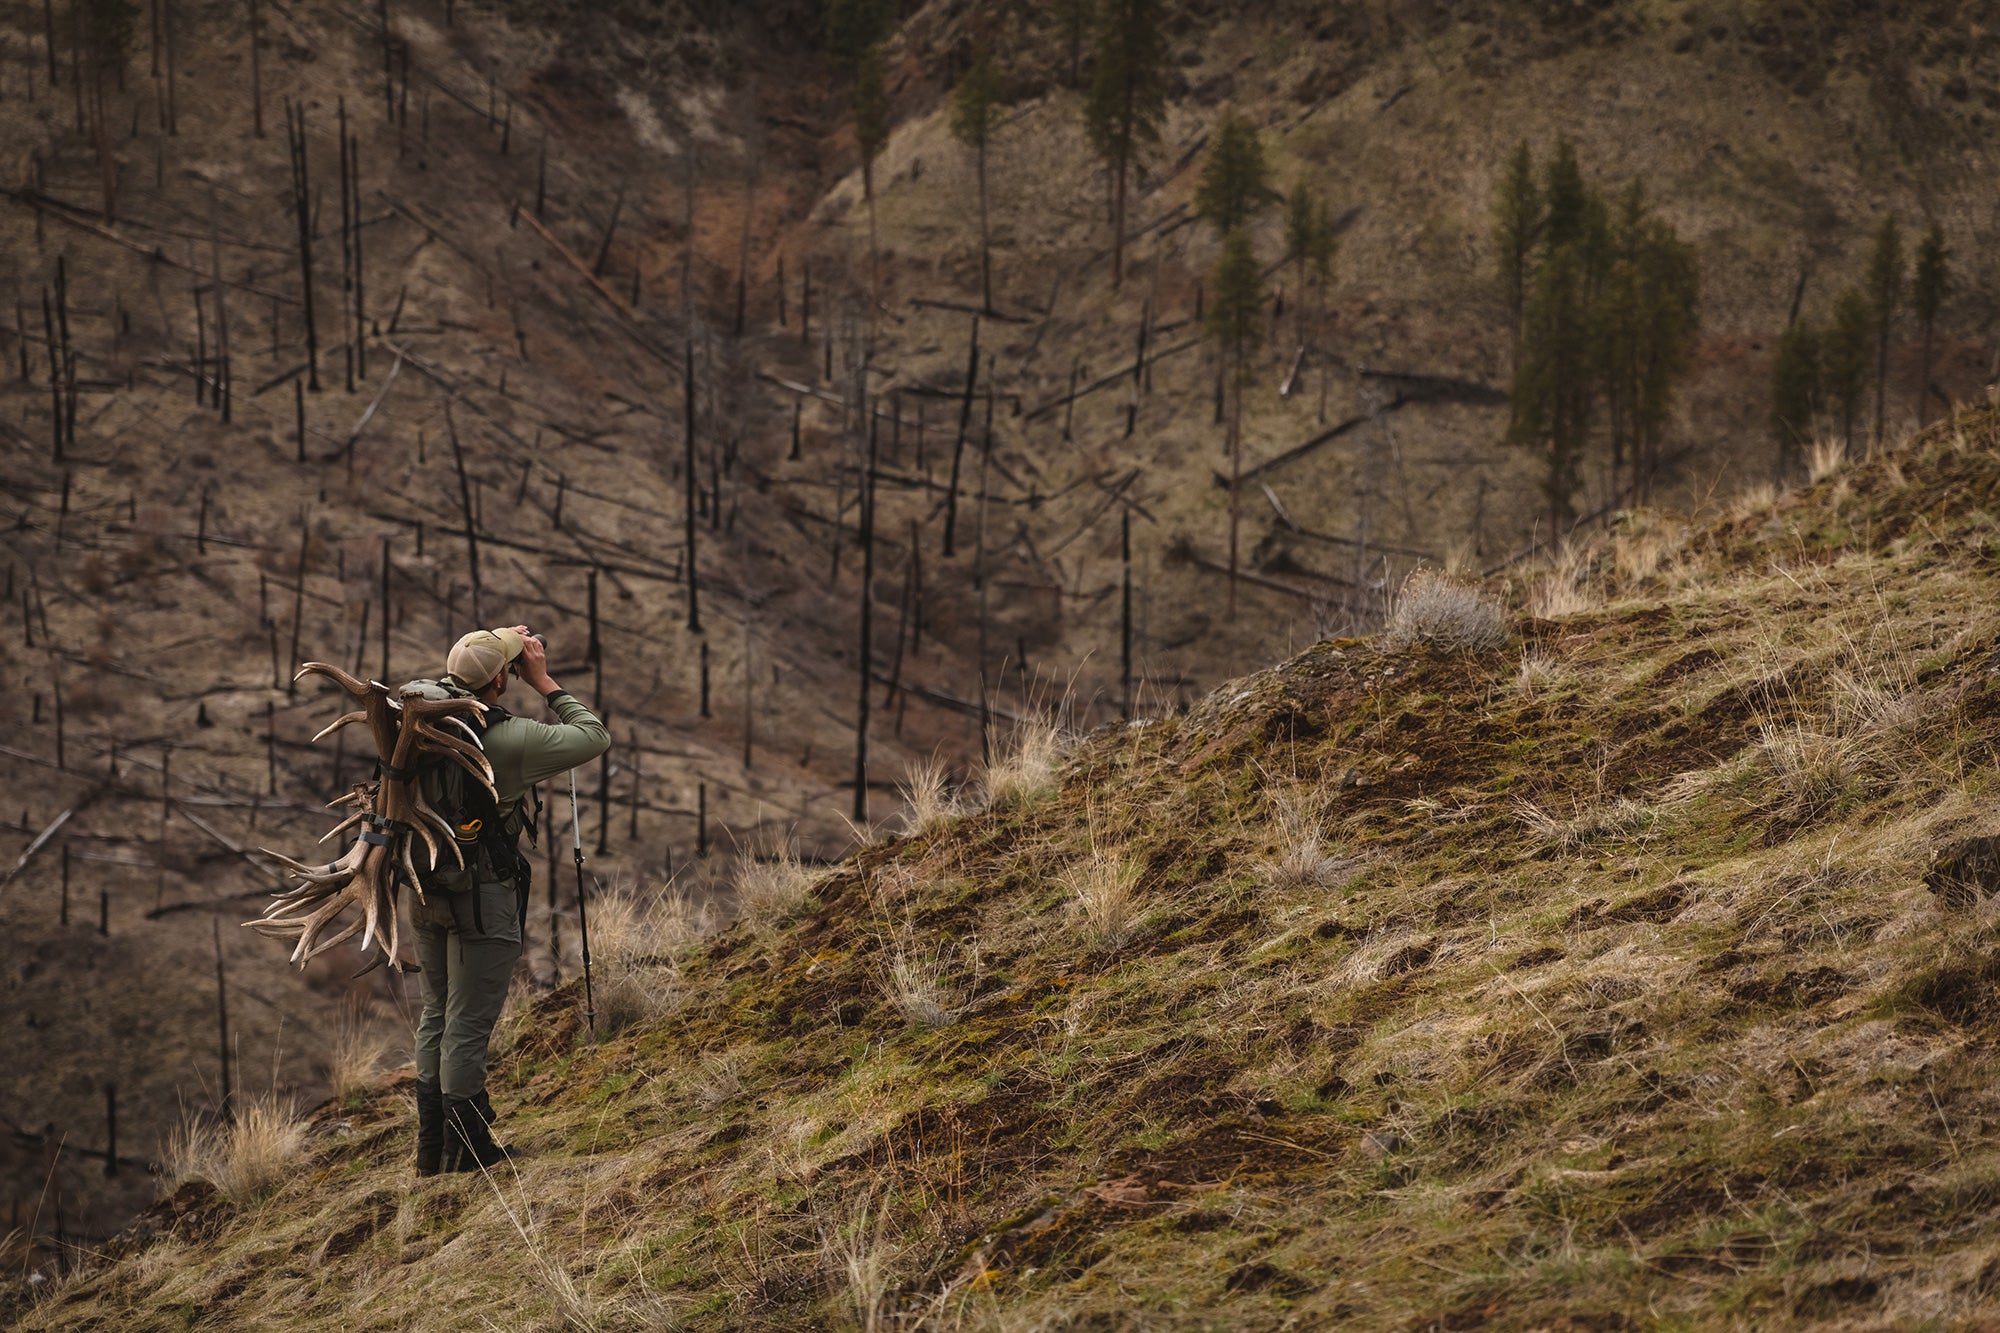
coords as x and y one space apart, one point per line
371 909
394 947
344 720
331 870
431 818
347 933
470 734
404 862
470 757
357 688
344 825
310 925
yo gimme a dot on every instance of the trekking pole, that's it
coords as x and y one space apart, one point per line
582 918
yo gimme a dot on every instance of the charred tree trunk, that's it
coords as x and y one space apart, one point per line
1125 618
295 133
867 625
256 72
693 580
465 509
958 444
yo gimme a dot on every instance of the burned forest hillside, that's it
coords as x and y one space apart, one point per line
338 330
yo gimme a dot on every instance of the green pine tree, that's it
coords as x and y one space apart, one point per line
1844 357
1325 244
1605 311
105 29
1301 212
1235 184
1664 284
1622 315
1311 244
1671 293
1567 199
1128 99
975 107
1235 319
1555 384
1322 245
1927 294
1517 226
1795 391
1073 18
853 26
1885 291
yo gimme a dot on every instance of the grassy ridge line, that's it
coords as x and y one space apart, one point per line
1616 999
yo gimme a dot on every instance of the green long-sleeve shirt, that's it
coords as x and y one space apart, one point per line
523 752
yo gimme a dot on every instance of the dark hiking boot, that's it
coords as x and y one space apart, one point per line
468 1144
430 1128
484 1104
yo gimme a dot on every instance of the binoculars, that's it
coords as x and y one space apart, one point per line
515 665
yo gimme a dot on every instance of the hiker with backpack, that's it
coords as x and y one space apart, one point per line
469 924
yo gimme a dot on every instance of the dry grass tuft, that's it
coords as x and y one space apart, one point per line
1879 709
718 1081
1562 590
1814 768
1642 546
1620 819
1539 673
1028 770
630 995
1825 458
921 990
770 888
1432 609
1303 860
1104 890
638 938
928 799
245 1159
635 926
354 1057
1870 729
577 1304
856 1251
1750 501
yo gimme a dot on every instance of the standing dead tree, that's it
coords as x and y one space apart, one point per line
958 443
866 613
465 508
688 479
295 136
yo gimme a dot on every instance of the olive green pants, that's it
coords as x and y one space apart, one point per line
467 944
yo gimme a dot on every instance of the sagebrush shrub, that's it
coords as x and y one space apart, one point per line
1454 617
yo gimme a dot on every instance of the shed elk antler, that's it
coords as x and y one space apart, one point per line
409 726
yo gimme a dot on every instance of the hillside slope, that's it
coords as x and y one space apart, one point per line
166 560
1589 982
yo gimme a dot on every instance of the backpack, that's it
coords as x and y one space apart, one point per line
488 837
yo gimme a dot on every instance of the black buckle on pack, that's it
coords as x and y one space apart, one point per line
381 831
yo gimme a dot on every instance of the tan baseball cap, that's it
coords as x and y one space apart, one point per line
481 655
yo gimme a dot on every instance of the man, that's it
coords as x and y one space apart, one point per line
469 925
